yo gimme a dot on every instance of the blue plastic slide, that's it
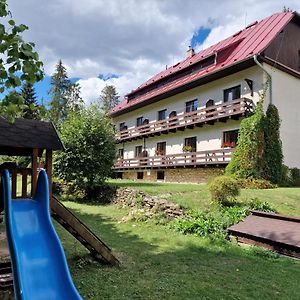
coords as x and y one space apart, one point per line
39 264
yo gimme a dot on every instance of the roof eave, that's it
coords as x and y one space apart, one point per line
225 71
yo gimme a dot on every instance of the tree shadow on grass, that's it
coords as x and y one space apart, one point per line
157 263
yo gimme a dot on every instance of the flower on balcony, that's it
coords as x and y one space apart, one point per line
228 145
187 149
159 152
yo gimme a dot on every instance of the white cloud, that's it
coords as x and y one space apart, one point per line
133 39
91 87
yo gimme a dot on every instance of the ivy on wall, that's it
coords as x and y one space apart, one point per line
259 149
247 159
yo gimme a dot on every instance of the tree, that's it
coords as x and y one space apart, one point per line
59 91
74 100
32 109
109 98
273 156
19 62
89 139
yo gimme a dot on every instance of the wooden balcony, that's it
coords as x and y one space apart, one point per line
209 115
183 160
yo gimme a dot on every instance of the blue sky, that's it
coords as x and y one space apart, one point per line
199 36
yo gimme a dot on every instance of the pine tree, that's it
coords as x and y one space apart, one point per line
31 111
109 98
74 100
273 152
59 91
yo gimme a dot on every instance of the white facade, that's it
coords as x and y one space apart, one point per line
212 90
209 137
286 97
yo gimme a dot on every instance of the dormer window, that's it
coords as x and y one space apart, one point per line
162 114
122 126
191 105
232 93
139 121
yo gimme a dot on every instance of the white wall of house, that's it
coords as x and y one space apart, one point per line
213 90
209 137
286 96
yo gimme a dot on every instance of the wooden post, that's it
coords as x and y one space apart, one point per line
24 183
14 183
34 166
49 171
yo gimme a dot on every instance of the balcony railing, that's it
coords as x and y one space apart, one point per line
208 115
186 159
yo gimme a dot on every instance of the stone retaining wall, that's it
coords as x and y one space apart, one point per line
147 204
188 175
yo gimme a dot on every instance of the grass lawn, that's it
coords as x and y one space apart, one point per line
196 196
159 263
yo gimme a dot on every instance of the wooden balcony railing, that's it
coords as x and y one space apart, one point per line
186 159
207 115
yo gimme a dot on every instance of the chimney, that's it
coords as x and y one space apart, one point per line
190 53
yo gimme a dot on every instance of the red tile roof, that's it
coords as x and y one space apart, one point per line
241 46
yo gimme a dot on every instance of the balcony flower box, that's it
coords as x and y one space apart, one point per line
187 149
159 152
228 145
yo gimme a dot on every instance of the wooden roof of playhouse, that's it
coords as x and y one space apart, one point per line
20 137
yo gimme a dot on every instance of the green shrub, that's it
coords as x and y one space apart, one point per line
256 204
295 176
89 141
235 214
214 225
224 189
273 156
252 183
202 224
285 176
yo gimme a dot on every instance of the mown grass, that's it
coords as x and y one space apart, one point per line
196 196
159 263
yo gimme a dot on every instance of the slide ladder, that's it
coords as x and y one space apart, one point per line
81 232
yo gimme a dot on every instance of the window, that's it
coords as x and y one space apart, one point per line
138 151
139 121
173 114
160 175
162 114
190 144
161 148
119 175
210 103
191 105
140 175
230 138
122 126
121 153
232 93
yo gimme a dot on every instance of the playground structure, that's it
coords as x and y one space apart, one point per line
38 140
34 246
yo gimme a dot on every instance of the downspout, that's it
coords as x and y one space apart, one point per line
268 75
